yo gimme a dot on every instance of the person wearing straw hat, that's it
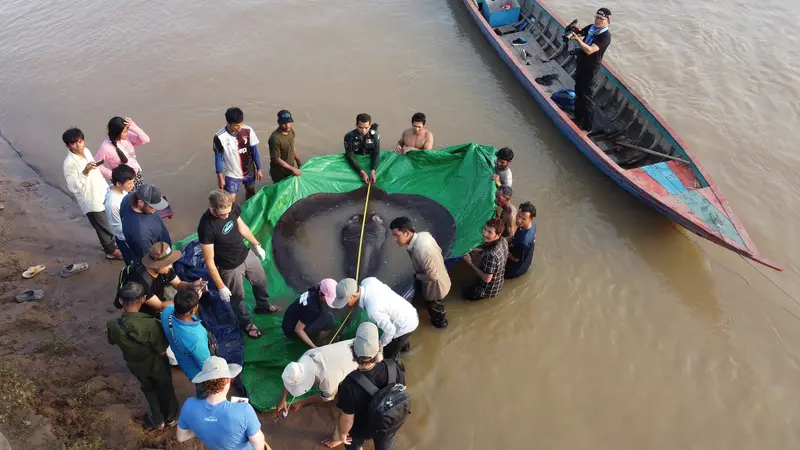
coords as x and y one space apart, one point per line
324 367
393 314
215 421
310 314
354 427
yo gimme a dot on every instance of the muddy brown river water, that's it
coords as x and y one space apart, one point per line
629 333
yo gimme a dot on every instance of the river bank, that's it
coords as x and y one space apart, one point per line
61 384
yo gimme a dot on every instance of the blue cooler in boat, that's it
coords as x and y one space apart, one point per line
565 99
500 12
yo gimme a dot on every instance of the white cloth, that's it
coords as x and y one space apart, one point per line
391 313
89 190
332 363
113 200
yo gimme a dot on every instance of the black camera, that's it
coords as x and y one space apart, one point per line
569 29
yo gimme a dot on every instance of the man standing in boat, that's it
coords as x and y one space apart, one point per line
592 40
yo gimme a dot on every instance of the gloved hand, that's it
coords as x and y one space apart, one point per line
260 252
225 294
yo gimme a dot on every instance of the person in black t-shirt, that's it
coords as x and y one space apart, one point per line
155 274
229 262
354 400
310 314
593 40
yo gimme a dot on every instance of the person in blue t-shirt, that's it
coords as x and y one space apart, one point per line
141 224
520 255
218 423
310 314
186 335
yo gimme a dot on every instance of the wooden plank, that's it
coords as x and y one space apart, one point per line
685 174
647 150
647 182
664 176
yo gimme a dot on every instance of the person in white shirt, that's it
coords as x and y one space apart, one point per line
123 178
392 313
89 188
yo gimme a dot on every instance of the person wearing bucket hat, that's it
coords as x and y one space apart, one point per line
393 314
354 427
324 367
215 421
310 314
592 40
141 225
283 158
155 273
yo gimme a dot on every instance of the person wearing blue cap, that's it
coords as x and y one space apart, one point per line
284 161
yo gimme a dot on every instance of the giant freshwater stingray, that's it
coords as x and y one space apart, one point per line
338 217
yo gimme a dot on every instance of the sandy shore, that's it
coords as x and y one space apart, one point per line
61 384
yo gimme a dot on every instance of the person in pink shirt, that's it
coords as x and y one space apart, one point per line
118 148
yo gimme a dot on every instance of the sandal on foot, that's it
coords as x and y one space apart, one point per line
149 425
31 294
253 329
171 423
72 269
33 271
117 256
268 310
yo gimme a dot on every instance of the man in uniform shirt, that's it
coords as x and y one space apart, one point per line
283 159
430 274
229 262
364 140
593 40
236 157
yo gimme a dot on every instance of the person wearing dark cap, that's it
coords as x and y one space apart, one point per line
593 40
283 158
141 226
363 140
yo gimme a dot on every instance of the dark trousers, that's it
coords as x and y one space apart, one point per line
436 308
382 441
127 253
234 279
584 96
474 293
160 395
393 349
100 225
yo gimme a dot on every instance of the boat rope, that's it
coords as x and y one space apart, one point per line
358 272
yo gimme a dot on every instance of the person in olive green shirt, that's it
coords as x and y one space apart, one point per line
144 347
283 159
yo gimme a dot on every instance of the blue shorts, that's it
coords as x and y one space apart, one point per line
232 184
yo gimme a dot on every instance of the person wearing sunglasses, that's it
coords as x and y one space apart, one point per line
592 40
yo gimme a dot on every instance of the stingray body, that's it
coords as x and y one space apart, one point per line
375 229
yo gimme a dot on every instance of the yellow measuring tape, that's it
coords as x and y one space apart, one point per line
358 271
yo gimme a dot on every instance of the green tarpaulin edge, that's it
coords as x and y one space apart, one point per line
457 177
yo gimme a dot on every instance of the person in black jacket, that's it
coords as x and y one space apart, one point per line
363 140
592 40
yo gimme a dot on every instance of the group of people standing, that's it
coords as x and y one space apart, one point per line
127 217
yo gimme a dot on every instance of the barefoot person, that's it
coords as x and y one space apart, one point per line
144 347
415 138
283 158
89 188
236 157
229 262
215 421
430 274
119 147
363 140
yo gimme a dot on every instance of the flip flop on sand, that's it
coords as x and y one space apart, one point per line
253 332
30 294
33 271
72 269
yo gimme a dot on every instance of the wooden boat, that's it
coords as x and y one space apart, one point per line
629 141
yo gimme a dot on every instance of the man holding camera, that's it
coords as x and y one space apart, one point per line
592 40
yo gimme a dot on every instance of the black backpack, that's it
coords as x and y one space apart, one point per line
124 276
389 406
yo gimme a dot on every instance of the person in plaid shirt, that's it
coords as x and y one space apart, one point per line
491 268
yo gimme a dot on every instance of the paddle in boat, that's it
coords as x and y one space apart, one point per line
629 142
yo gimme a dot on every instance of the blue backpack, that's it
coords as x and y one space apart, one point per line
565 99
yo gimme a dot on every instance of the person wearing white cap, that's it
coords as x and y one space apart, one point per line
324 367
354 419
392 313
310 314
217 422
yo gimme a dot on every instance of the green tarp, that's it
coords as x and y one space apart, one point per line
458 178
